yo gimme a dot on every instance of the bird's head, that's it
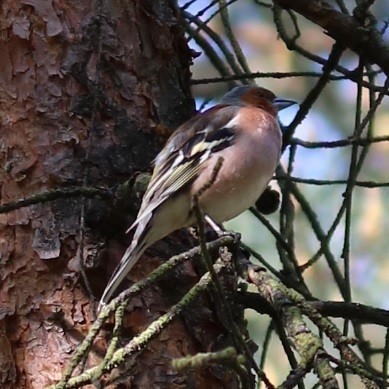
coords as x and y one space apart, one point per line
250 95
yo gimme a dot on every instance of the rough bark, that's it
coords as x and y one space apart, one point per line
84 86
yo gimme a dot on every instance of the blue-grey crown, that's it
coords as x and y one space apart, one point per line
234 94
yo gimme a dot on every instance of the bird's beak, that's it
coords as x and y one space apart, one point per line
280 103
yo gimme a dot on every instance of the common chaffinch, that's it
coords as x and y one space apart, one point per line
242 129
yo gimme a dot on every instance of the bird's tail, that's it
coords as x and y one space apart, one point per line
138 245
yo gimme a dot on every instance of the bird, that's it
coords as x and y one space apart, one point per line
243 131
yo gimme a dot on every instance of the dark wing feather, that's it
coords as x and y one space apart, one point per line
185 153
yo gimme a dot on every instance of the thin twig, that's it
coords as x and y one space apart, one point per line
55 194
231 36
220 295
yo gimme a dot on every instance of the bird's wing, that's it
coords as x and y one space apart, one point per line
185 153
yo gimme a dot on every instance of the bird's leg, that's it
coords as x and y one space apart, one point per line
219 229
216 227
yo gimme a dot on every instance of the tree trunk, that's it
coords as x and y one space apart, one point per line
84 88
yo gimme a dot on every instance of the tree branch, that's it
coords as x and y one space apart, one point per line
365 41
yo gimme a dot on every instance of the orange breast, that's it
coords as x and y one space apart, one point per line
248 166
